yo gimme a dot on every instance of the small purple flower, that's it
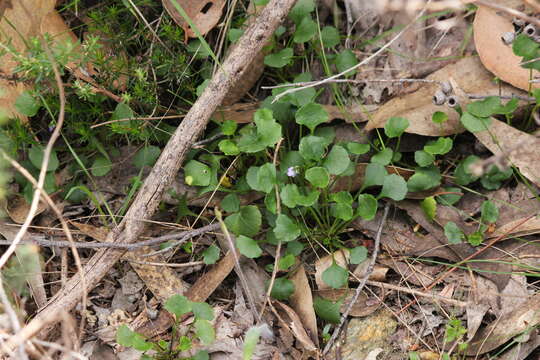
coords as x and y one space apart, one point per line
291 172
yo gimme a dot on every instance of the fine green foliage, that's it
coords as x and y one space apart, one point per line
429 206
179 306
211 255
453 233
283 288
335 276
197 174
358 254
146 156
248 247
279 59
311 115
246 222
327 310
395 126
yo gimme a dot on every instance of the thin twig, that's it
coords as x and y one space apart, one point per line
182 238
278 248
436 297
61 348
238 268
152 31
361 63
354 81
145 118
173 265
12 315
206 141
504 97
369 270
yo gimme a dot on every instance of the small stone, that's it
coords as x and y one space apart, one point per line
367 334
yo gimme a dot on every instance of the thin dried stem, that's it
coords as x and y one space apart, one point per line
182 238
238 268
361 285
278 248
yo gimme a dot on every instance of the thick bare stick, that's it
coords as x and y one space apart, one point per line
149 196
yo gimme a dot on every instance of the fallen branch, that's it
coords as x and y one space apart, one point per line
170 161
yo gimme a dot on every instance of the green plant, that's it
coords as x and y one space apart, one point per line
488 215
302 184
179 306
455 333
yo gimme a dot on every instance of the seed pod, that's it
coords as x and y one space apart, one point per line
439 98
530 30
453 101
152 313
508 37
446 87
519 23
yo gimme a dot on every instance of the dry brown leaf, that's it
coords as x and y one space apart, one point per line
517 228
203 14
20 21
497 57
17 208
97 233
200 291
413 272
302 302
519 147
363 306
210 280
470 76
294 323
398 237
482 296
527 316
377 274
242 113
341 257
162 281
